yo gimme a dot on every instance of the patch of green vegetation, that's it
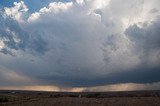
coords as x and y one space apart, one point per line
4 98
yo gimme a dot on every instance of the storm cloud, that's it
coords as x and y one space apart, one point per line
82 43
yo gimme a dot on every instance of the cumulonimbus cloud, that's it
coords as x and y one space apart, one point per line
83 42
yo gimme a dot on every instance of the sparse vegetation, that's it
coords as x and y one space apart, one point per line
31 98
94 95
4 99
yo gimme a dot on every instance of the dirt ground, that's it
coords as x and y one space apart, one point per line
30 98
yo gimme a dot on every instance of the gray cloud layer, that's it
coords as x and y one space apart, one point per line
87 43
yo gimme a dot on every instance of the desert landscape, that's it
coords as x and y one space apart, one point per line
38 98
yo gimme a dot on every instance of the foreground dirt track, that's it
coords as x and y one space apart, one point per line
26 98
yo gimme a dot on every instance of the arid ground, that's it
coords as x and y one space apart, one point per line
37 98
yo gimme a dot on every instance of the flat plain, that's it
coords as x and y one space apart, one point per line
39 98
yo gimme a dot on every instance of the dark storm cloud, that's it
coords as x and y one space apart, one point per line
6 51
147 40
15 38
141 75
10 31
146 37
86 44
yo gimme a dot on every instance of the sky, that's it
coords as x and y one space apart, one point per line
80 45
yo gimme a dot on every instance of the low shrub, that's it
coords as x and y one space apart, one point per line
94 95
4 99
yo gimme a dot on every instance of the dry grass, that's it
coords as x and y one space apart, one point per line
88 99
